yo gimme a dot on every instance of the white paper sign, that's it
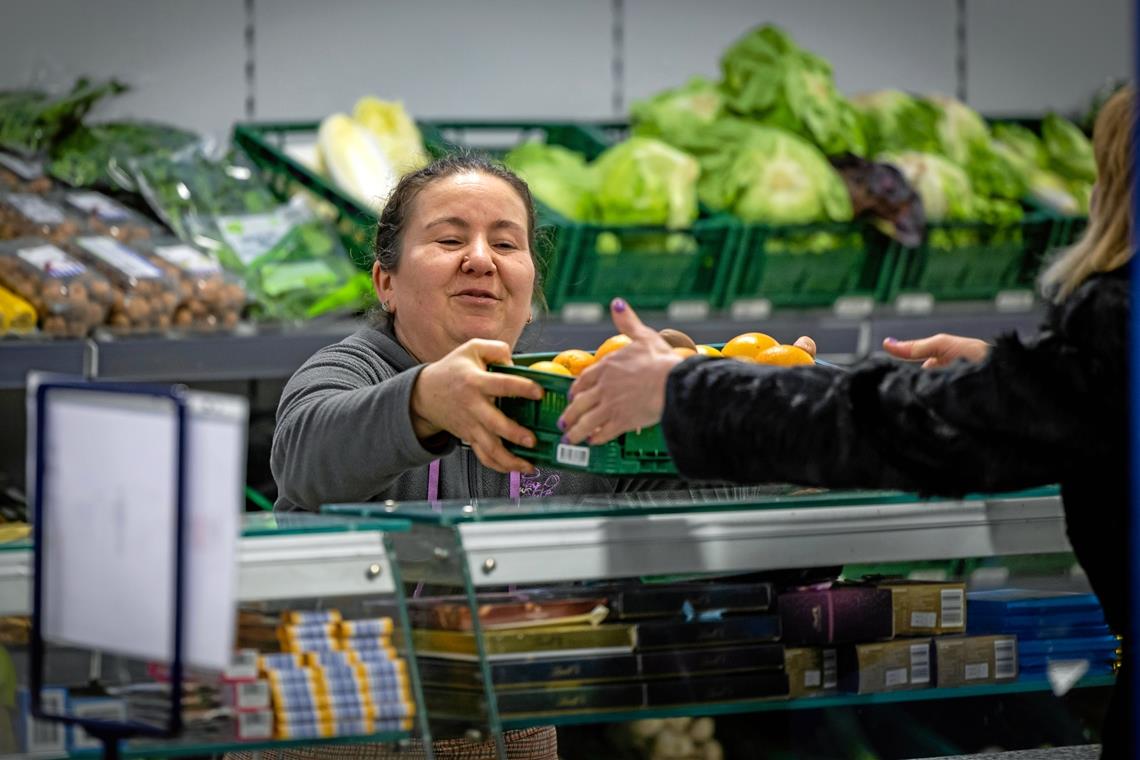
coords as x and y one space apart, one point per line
109 519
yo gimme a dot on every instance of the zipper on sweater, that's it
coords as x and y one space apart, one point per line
472 465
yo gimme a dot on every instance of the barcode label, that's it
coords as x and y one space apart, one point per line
920 663
1005 658
812 679
953 608
977 671
254 694
51 261
895 677
923 619
753 308
583 312
830 669
574 456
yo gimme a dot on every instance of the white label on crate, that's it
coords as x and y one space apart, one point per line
1010 301
688 311
953 608
920 663
830 669
251 235
895 677
923 619
255 725
751 308
573 456
25 169
812 679
187 258
580 313
116 255
914 303
46 735
99 709
1005 658
51 261
853 307
251 695
97 204
977 671
36 208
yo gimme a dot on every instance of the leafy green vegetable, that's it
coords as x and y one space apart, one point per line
775 177
996 171
1070 152
895 121
1051 191
682 116
943 186
557 176
98 155
1022 141
32 121
960 128
767 77
644 181
289 259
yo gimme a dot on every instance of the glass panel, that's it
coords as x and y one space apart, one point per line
724 499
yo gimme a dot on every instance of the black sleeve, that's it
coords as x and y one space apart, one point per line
1024 417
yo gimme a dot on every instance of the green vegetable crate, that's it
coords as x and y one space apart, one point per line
265 143
959 260
633 453
808 265
1062 233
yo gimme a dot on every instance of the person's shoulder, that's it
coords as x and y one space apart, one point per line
1105 297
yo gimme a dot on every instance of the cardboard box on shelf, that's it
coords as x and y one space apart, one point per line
843 614
924 608
967 660
811 671
902 664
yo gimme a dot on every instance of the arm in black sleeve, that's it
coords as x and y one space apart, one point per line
1024 417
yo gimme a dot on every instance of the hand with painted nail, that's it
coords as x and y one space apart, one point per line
456 394
626 389
938 351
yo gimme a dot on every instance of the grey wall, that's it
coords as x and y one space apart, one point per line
541 58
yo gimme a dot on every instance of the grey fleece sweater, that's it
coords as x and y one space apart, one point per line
344 434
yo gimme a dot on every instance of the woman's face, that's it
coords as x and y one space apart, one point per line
466 269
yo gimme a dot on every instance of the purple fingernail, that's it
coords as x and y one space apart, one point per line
565 439
619 304
562 424
892 341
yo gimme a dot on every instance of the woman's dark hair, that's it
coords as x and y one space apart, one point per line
394 217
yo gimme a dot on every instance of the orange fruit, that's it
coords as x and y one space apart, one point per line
575 360
610 345
704 350
551 368
784 356
749 344
683 352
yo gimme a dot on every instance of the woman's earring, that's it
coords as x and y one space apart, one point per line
530 318
385 308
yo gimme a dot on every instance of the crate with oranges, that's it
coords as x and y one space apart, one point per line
635 453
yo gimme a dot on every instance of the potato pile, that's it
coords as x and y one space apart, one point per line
143 298
69 297
24 215
208 298
676 739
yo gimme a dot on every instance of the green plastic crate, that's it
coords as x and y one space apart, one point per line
629 454
807 265
264 143
964 260
1062 233
651 267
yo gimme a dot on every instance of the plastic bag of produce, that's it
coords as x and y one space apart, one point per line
31 215
69 297
287 257
98 155
143 297
209 298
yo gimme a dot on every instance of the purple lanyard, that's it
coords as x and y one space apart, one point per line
433 485
433 497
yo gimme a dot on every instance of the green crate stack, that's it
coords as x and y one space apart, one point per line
807 265
634 453
960 260
1063 232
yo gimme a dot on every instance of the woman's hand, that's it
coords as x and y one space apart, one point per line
457 395
625 390
938 350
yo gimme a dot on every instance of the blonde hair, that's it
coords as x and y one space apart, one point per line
1107 242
